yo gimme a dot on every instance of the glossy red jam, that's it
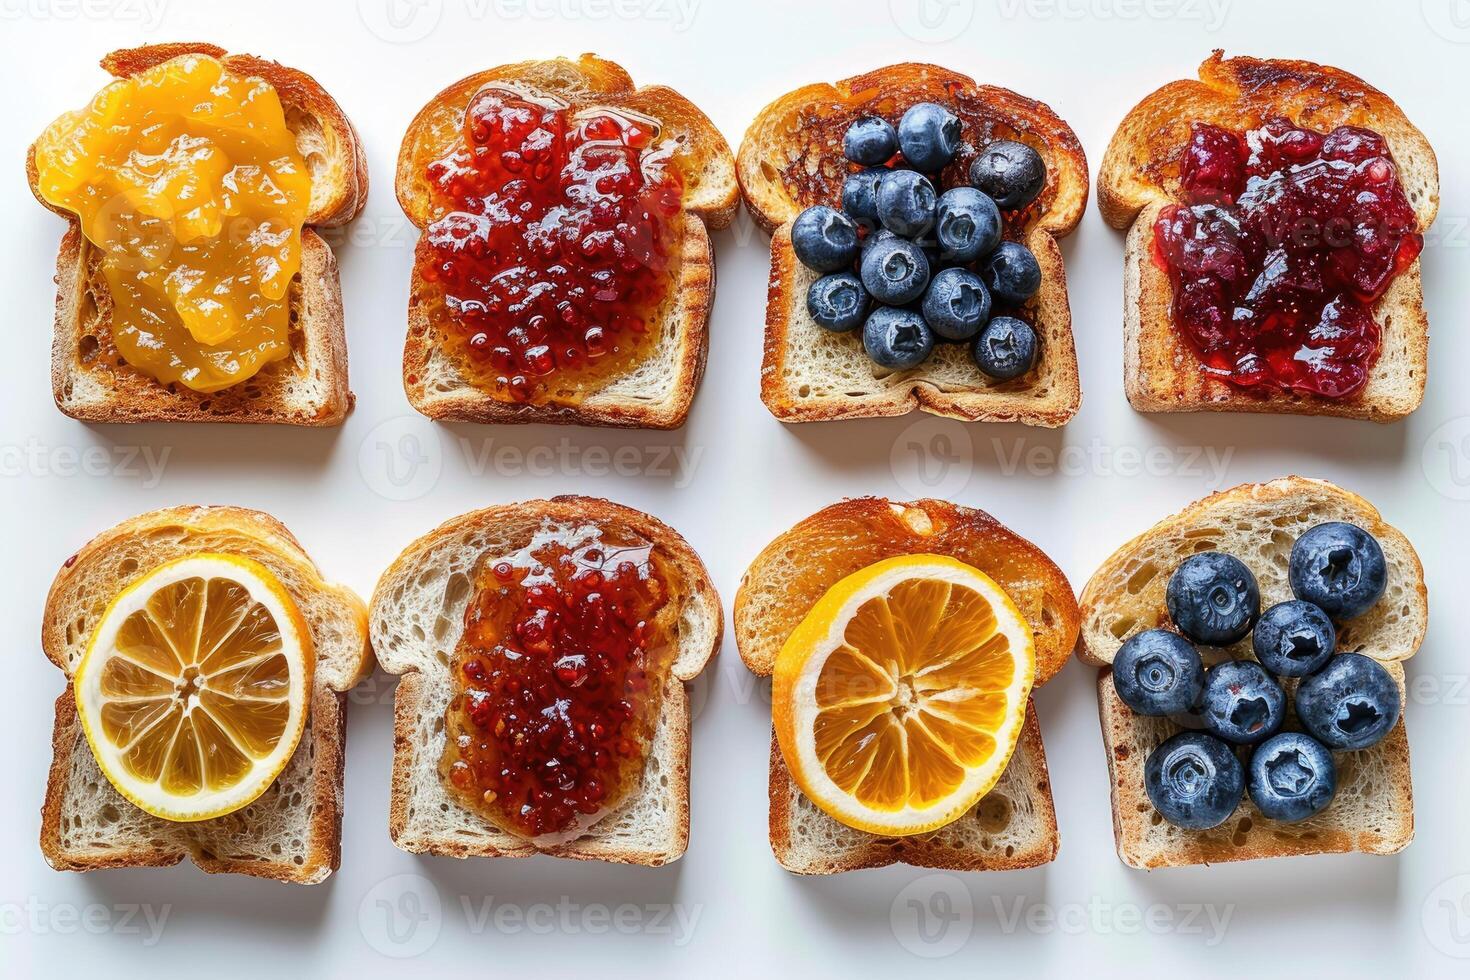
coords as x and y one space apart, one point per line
558 682
1283 242
551 257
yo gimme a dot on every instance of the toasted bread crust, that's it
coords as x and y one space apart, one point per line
694 293
1247 835
791 158
83 357
710 200
117 392
1140 176
408 739
871 529
1131 583
851 535
1098 646
923 850
327 721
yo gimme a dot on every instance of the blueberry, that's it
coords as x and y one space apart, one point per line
956 304
1213 598
928 135
1339 567
1351 703
838 301
1005 349
1194 780
860 194
1012 173
967 224
895 271
897 339
1293 639
824 239
1291 777
906 201
1242 704
1158 673
870 141
1012 273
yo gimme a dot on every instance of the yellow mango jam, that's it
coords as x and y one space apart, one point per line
187 180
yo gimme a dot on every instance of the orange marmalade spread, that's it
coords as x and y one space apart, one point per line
558 681
548 259
187 180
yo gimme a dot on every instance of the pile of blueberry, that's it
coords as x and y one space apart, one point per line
913 266
1344 701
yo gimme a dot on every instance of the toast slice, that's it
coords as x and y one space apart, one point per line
291 833
417 618
654 393
1012 827
791 158
91 383
1139 178
1374 809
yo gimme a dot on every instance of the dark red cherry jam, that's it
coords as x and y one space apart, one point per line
1284 241
551 252
558 681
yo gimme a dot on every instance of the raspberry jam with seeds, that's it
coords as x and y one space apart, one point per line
551 254
1284 241
558 681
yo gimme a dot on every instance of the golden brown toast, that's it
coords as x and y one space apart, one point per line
417 618
1140 176
1257 523
656 392
1014 826
791 158
89 380
291 833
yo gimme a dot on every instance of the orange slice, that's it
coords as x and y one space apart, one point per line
194 689
898 701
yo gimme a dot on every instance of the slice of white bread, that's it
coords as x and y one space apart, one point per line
1140 177
656 392
1014 826
291 833
417 619
92 383
1257 523
791 158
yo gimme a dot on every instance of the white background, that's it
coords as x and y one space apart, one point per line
1078 493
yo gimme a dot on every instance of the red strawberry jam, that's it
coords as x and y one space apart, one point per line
1285 240
558 681
550 254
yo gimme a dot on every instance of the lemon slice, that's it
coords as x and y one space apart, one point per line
898 701
194 688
